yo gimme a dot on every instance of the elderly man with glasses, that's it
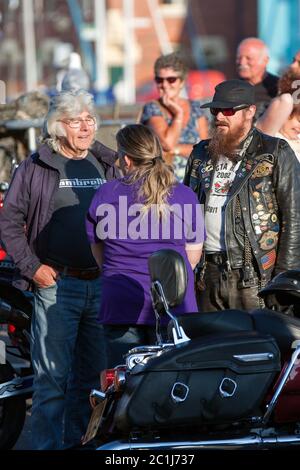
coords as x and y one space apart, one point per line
249 185
43 229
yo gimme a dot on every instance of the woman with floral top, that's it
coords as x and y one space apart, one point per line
178 122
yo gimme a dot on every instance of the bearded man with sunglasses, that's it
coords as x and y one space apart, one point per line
43 229
249 185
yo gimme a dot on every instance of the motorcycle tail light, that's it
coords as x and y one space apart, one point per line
2 254
107 377
11 328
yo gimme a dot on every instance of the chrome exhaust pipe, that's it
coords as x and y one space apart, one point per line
253 441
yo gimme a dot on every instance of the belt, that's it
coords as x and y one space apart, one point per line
83 274
219 257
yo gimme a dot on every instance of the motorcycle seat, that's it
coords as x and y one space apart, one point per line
284 328
206 323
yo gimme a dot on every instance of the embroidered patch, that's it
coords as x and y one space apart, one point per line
262 169
196 162
268 240
268 260
209 167
195 166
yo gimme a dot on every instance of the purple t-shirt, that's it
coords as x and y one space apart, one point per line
129 238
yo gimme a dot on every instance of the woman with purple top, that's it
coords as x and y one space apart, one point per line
129 219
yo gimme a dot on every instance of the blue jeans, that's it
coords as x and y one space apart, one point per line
68 352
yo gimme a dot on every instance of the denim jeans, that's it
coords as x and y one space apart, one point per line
68 352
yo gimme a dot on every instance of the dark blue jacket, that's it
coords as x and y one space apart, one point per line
29 205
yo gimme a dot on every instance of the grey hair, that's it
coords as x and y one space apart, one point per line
66 104
174 61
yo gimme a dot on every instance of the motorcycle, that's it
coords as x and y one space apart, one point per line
223 380
16 379
16 375
7 267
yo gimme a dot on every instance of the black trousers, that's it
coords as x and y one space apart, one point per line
222 290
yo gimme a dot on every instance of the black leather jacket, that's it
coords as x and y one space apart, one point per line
268 187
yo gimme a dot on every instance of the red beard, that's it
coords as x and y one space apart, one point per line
225 144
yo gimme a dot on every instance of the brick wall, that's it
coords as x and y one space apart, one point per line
148 40
231 19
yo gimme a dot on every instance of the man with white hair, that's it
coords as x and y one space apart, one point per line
252 59
43 230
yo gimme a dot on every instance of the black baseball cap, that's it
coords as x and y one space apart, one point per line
232 93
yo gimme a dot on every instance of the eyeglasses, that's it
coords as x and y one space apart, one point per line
228 111
76 123
160 80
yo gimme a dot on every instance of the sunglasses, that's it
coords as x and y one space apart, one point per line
228 111
160 80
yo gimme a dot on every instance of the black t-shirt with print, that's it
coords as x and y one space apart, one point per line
65 235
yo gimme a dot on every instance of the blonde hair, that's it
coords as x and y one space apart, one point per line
142 146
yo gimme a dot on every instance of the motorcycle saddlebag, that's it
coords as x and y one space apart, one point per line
209 380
